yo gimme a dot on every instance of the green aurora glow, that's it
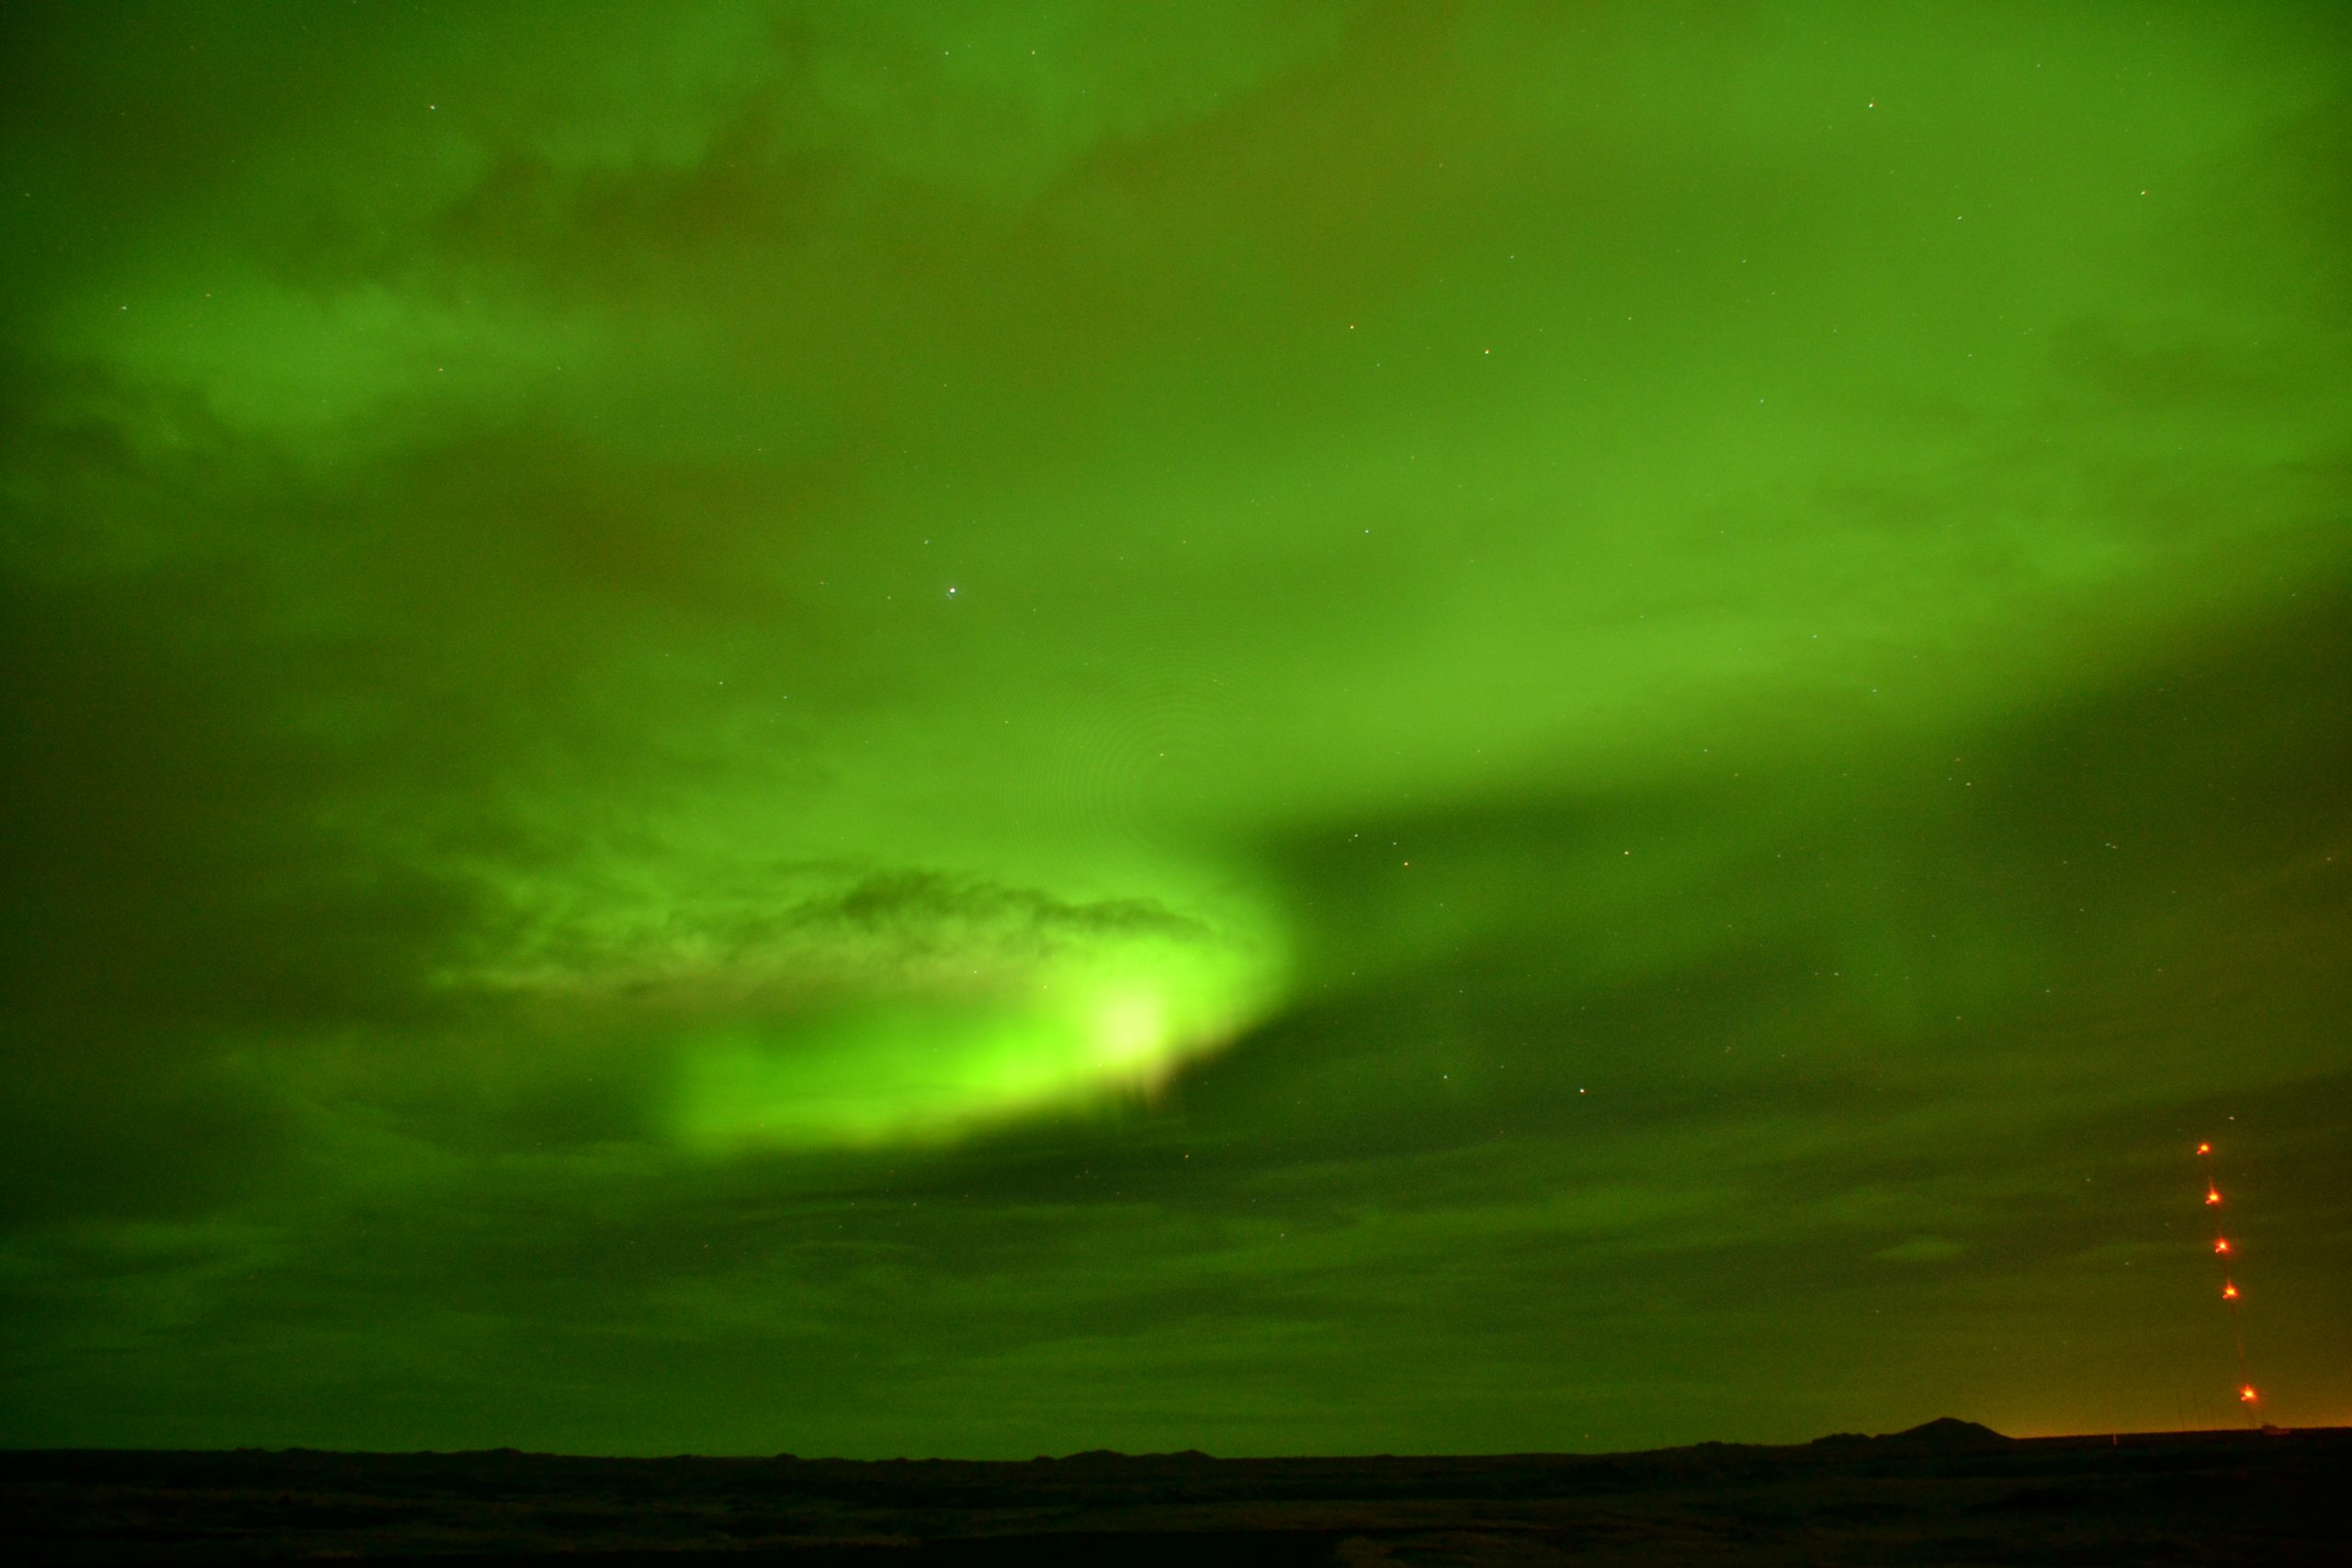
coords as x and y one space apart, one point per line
1311 728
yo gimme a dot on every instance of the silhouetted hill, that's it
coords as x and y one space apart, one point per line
1948 1435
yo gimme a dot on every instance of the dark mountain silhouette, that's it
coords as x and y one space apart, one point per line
1949 1434
1948 1491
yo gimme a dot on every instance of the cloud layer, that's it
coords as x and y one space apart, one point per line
1371 730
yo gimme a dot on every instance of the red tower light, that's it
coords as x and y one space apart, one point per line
2248 1398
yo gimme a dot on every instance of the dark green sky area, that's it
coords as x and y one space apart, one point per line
931 729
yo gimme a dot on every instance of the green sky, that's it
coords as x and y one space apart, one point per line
942 730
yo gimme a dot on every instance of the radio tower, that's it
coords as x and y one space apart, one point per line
2223 1254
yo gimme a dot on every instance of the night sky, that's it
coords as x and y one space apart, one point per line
925 730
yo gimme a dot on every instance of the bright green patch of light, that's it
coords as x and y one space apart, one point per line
885 1068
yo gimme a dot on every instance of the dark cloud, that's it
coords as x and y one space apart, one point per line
163 839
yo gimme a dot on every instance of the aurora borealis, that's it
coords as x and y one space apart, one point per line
937 730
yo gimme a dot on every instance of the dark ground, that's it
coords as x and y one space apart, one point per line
1947 1493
